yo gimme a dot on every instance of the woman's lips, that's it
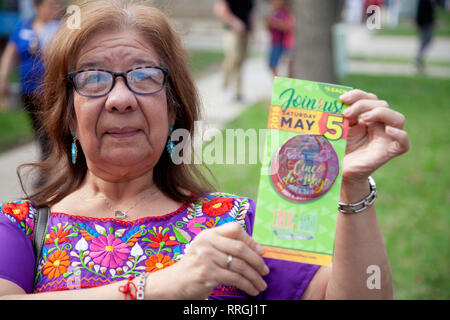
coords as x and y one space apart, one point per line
122 132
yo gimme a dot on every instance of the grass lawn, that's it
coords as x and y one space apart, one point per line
399 60
409 28
201 61
15 129
414 193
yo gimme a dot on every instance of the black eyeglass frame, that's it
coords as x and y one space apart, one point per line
123 74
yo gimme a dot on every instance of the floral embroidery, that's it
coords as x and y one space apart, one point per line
18 210
56 265
158 262
218 206
20 213
109 251
60 235
161 239
92 252
195 225
211 223
226 220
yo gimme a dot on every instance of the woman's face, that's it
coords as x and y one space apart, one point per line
122 134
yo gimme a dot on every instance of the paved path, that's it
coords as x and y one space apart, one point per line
257 85
361 42
9 183
388 68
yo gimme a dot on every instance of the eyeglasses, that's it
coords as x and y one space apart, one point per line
98 83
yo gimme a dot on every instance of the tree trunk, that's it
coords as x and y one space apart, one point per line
313 54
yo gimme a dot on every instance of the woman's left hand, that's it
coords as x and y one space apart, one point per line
375 135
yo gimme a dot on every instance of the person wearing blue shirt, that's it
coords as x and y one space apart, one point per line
25 47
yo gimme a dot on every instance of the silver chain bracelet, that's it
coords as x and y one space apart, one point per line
362 205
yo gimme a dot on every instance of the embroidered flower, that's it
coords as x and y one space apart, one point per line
108 251
158 262
29 223
56 264
136 251
60 235
217 206
162 239
210 223
192 225
81 245
17 210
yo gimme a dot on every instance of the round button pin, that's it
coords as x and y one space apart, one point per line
304 168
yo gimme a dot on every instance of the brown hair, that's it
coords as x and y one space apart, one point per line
61 177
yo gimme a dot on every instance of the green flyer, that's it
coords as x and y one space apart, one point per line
301 171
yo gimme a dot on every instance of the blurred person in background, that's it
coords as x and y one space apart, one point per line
368 3
236 15
281 24
26 9
425 22
393 12
24 49
354 10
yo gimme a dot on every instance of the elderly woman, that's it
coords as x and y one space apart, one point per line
125 222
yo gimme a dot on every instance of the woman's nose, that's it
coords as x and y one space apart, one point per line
120 99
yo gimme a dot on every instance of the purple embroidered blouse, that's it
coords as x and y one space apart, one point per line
82 252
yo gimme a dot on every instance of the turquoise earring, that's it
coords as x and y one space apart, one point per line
74 148
170 144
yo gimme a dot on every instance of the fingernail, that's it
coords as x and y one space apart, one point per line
264 286
347 111
366 115
345 95
259 249
266 270
392 130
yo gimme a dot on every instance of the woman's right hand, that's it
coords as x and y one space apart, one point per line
205 266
